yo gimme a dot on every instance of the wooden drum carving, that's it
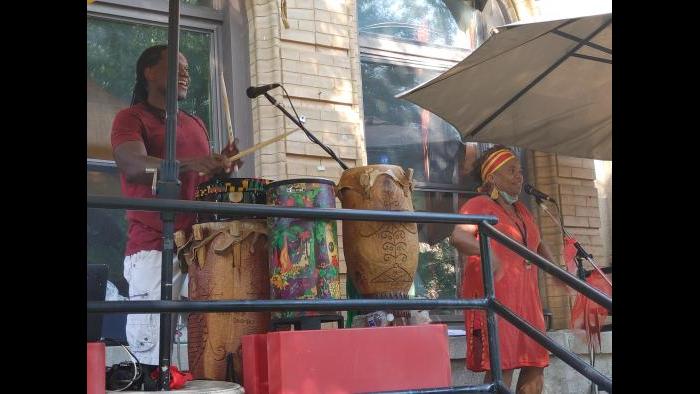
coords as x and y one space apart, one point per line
381 257
226 260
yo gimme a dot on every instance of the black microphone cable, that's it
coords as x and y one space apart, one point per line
313 137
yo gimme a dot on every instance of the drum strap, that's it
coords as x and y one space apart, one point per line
235 230
232 238
182 244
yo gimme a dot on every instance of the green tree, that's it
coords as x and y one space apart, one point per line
436 269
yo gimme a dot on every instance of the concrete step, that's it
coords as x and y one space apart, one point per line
559 377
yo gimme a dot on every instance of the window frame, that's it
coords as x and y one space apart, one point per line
192 18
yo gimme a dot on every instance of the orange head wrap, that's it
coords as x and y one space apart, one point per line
495 161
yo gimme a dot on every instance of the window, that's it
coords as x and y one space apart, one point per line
399 132
428 21
404 43
113 47
117 33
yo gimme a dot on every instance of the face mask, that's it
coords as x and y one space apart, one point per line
509 199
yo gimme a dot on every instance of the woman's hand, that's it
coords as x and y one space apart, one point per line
464 240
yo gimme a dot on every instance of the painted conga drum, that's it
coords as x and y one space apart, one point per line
226 260
230 190
303 253
382 257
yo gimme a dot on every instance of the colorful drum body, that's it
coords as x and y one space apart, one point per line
382 257
232 190
303 253
225 261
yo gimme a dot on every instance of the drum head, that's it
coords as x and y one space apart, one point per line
299 180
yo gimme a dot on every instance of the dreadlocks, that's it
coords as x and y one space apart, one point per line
149 57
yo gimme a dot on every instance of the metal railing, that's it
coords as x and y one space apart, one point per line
488 303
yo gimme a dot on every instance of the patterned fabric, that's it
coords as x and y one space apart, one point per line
495 161
303 253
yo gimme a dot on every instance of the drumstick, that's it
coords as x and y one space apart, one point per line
260 145
226 108
257 146
229 125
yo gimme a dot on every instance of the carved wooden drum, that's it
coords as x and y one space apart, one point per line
382 257
226 260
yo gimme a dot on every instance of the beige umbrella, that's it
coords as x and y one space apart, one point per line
544 86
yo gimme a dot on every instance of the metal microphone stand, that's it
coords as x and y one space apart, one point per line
307 132
581 255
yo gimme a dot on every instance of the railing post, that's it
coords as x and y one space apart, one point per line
494 352
169 187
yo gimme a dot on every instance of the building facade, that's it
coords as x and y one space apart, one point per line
341 63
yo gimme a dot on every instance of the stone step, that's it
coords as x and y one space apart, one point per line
559 377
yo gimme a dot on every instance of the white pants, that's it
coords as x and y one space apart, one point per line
143 272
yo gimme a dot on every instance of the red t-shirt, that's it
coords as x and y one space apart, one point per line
142 122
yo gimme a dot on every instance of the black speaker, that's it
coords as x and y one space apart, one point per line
96 289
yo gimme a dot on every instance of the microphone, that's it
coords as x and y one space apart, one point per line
536 193
253 92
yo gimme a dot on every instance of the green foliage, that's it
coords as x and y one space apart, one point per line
436 269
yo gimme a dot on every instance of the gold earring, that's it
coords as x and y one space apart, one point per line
494 192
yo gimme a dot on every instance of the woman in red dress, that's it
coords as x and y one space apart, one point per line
515 279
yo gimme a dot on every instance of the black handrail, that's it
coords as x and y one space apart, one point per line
568 357
248 210
482 388
489 303
551 268
276 305
489 293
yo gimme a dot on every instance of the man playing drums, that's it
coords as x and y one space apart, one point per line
138 143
